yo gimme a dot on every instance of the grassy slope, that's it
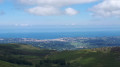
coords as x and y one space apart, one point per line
88 58
7 64
77 58
19 51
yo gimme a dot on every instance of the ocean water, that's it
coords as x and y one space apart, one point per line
54 35
47 32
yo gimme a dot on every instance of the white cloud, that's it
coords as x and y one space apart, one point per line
44 11
22 25
55 2
47 11
107 8
71 11
41 6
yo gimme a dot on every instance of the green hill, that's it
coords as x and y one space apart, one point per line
20 55
7 64
100 57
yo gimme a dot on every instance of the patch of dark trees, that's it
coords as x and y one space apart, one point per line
15 60
53 63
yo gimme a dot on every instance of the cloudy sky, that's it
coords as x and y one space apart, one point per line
84 13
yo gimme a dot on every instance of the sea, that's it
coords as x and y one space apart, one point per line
55 35
54 32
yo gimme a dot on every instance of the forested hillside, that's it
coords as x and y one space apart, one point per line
19 55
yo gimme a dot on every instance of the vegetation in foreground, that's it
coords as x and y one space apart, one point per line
18 55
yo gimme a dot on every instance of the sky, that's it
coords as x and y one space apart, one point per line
60 13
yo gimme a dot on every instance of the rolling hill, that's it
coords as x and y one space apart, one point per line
21 55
